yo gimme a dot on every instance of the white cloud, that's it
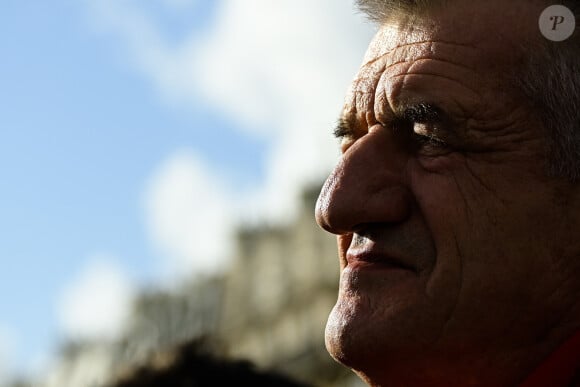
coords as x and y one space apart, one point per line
7 353
188 214
96 304
279 69
266 61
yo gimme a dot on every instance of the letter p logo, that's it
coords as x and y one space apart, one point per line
557 23
557 20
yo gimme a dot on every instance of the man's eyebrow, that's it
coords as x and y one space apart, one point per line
343 128
420 112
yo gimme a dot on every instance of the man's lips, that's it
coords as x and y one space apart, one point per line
355 258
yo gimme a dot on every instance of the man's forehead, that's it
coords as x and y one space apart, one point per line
394 44
458 57
396 53
496 27
392 35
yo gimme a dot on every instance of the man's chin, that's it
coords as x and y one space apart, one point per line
369 348
349 339
361 333
338 337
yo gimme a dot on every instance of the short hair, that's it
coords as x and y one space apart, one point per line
549 77
380 11
550 80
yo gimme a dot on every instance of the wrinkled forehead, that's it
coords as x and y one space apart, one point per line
497 29
465 57
399 43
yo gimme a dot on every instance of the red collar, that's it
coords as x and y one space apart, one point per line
560 368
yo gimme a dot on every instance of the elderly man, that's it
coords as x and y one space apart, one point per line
457 199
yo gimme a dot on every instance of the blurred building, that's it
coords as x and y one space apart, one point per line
269 308
278 295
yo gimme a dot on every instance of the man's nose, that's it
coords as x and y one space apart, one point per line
369 185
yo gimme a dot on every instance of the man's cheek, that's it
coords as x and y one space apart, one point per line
444 162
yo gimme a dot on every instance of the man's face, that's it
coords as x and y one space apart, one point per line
452 239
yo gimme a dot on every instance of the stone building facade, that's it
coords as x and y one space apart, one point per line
270 308
278 295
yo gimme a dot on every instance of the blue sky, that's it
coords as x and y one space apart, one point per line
96 115
80 133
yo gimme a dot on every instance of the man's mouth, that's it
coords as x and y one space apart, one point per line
377 260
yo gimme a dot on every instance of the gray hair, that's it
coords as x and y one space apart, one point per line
380 11
549 79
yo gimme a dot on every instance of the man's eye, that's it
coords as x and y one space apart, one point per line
424 127
428 135
421 137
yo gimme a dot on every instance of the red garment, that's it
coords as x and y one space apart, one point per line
560 368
